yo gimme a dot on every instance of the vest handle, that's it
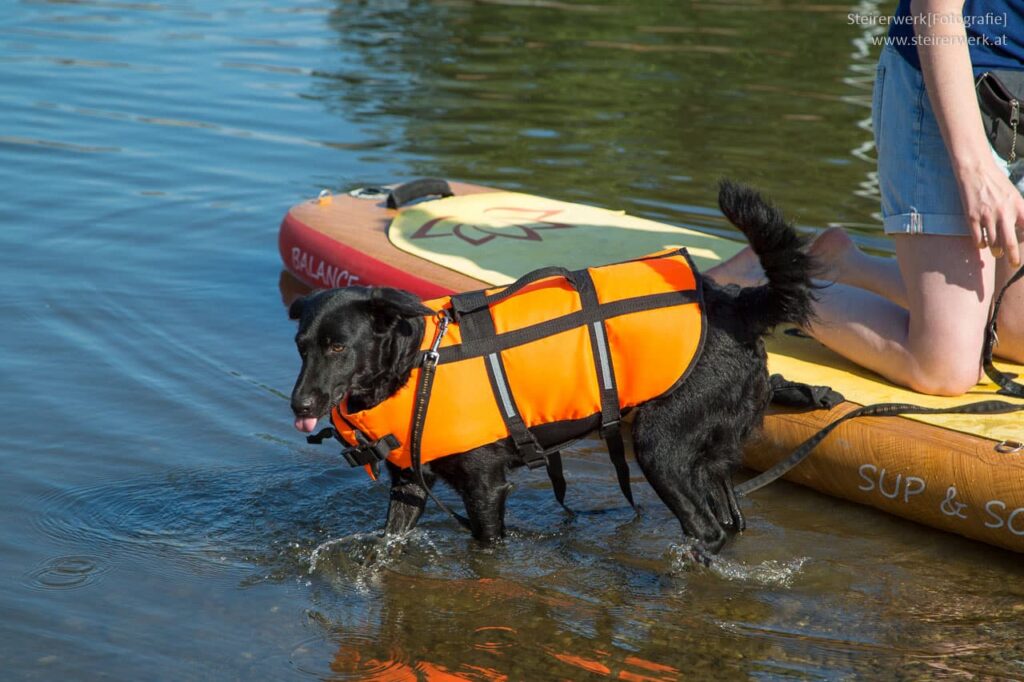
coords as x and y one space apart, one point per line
471 301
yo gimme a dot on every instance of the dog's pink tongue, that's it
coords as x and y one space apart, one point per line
306 424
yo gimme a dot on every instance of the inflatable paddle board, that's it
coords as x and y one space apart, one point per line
959 473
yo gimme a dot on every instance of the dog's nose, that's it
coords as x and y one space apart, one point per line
303 407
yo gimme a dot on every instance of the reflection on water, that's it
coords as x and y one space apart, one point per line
161 519
639 105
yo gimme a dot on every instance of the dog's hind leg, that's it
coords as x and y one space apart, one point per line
739 523
407 500
722 499
718 500
667 465
721 496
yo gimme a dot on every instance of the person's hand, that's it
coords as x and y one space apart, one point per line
994 209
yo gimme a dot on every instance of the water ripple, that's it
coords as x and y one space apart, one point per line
343 656
66 572
54 144
198 522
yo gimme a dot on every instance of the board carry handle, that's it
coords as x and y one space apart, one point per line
417 189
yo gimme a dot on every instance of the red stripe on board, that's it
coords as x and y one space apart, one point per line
322 262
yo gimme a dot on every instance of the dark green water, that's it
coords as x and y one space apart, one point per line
161 519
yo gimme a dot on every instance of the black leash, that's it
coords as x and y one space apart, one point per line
419 417
877 410
1002 379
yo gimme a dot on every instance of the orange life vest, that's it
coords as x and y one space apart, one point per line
542 361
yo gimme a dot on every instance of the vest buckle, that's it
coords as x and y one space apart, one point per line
371 453
536 462
610 429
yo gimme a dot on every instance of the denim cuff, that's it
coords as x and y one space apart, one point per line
942 224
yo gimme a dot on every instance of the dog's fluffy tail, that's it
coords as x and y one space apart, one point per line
788 295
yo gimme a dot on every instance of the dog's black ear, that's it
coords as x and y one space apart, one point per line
296 308
300 304
388 305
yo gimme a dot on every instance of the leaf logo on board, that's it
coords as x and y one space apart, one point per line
508 222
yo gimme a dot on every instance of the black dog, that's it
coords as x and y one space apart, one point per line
363 343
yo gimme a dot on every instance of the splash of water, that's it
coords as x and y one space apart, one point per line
768 573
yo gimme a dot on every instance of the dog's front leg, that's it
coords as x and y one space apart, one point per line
407 500
479 476
486 511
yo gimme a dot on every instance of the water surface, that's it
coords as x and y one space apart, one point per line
160 518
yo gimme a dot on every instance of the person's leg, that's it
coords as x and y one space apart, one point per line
934 345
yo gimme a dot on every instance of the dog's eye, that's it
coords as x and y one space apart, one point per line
335 348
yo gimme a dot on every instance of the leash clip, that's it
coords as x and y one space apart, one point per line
431 357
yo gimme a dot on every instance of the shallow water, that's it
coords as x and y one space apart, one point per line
161 519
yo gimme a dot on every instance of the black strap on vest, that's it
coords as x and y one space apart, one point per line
473 301
366 453
611 416
476 323
472 311
320 436
557 476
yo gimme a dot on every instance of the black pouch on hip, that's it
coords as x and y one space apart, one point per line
1000 96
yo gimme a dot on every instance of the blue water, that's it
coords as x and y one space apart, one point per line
161 519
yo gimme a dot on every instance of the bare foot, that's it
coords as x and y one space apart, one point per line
743 269
834 253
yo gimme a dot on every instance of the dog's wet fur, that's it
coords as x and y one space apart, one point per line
363 342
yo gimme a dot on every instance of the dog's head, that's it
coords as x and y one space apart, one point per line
359 342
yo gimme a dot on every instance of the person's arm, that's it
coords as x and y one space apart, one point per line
990 200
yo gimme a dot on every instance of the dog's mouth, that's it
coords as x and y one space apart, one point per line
308 424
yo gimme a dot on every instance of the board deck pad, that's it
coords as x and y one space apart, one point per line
496 237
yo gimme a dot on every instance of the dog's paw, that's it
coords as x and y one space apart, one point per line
701 556
694 554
